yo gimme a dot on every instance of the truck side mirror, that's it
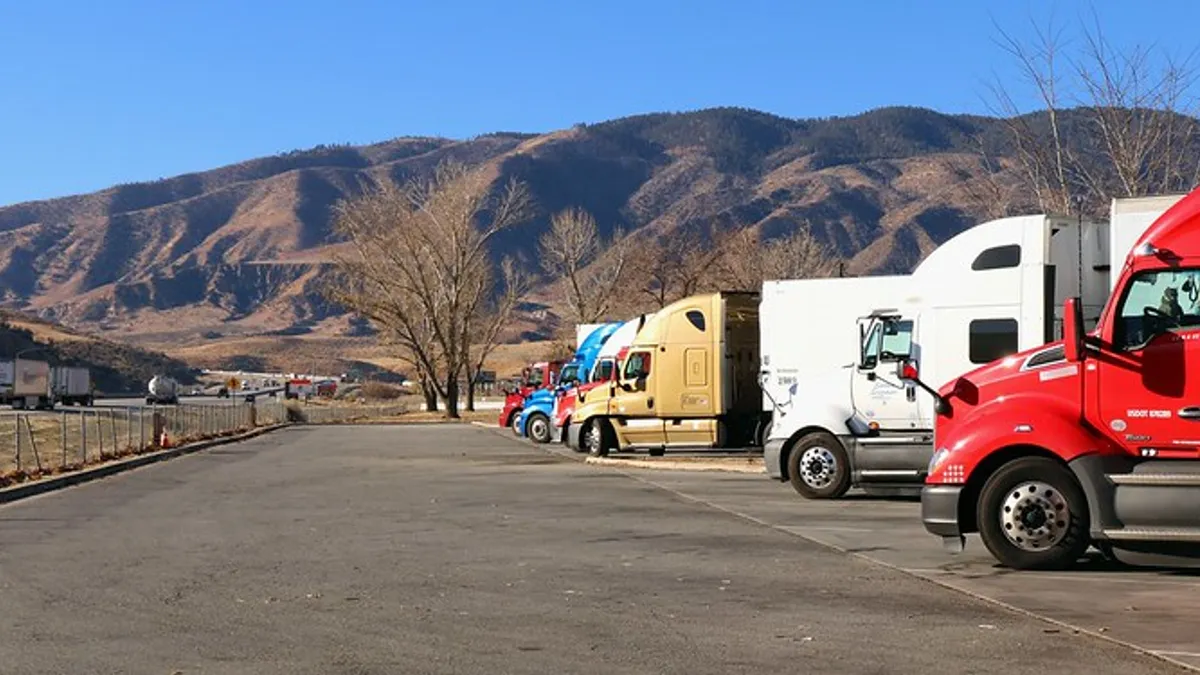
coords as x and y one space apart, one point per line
1073 330
906 370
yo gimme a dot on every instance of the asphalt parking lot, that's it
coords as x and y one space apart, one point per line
455 549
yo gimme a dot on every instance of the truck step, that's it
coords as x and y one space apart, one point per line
1173 534
896 439
1163 479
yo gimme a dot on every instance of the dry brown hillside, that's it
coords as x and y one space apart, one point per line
206 261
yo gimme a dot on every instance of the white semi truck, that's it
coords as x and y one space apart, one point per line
989 292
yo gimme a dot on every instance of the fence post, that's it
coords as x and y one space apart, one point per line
100 432
62 418
129 428
17 437
83 434
141 429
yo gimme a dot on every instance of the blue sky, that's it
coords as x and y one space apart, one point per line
97 93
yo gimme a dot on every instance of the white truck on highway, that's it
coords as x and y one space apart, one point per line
991 291
72 385
31 387
162 390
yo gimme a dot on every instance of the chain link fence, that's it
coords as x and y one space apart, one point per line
52 442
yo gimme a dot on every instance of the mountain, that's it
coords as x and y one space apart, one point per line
239 250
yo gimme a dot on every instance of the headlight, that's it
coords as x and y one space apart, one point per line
937 459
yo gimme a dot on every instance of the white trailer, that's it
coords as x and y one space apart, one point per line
6 381
31 385
991 291
72 385
163 390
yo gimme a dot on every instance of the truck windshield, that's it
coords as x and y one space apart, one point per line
569 374
604 370
535 377
1158 302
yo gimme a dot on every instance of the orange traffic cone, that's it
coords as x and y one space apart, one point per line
163 441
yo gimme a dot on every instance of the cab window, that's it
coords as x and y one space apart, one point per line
1157 302
604 370
637 365
887 341
569 374
534 377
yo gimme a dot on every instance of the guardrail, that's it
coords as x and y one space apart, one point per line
33 444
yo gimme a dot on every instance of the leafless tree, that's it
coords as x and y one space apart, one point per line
419 265
493 317
747 261
568 253
1134 130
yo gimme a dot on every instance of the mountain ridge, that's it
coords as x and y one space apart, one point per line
237 249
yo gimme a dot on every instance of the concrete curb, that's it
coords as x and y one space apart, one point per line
37 487
696 464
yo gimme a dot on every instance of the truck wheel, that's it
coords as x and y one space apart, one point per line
818 467
512 422
1034 515
539 427
592 437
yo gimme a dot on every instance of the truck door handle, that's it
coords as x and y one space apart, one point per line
1189 413
650 402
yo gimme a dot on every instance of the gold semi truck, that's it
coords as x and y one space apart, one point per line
690 380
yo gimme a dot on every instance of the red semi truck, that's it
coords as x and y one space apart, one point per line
535 376
1092 440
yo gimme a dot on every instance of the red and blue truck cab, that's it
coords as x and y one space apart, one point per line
1093 440
539 375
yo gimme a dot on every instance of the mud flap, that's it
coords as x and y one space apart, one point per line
954 543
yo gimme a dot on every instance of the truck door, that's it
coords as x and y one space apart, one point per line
1149 390
878 395
635 415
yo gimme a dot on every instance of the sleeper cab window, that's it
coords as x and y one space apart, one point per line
991 339
696 317
998 257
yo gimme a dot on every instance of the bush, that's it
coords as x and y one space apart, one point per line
380 391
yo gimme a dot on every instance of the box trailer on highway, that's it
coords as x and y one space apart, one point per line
72 385
6 382
32 385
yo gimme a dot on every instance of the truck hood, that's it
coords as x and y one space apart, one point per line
989 380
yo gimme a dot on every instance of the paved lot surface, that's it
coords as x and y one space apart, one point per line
451 549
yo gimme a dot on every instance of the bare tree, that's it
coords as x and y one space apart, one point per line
747 261
569 252
493 317
420 265
1134 131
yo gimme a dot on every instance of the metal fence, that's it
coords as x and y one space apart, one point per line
48 442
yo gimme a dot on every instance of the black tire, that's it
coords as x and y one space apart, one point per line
818 466
595 438
512 422
538 426
1014 506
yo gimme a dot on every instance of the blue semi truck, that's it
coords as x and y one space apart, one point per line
538 409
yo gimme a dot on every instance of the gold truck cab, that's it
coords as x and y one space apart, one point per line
690 380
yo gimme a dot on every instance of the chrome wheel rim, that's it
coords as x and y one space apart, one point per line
1034 516
537 429
591 440
817 467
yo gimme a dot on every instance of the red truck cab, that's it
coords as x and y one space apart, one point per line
1092 440
533 377
605 371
